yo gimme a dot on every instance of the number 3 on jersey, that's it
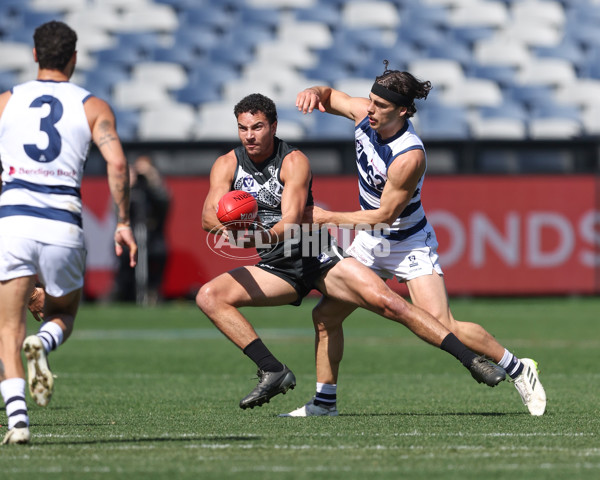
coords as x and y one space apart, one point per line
47 126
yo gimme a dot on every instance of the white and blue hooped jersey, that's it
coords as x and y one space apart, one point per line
44 141
373 158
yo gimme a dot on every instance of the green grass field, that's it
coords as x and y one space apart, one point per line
153 393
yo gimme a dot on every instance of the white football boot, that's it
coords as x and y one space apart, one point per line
40 378
19 434
312 410
530 388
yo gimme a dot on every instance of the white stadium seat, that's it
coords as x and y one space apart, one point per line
365 14
173 122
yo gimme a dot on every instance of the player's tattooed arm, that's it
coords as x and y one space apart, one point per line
107 134
106 138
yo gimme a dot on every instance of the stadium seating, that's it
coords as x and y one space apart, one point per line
529 56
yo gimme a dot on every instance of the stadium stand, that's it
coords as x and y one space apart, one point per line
502 69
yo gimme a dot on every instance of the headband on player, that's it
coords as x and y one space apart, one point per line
394 97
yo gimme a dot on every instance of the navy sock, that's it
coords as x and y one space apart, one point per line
454 346
326 394
264 359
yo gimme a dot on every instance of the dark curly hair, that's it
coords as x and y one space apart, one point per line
255 103
405 84
54 44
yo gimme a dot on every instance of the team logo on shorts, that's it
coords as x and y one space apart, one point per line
323 258
413 261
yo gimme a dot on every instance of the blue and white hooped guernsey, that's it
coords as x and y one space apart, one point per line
373 158
44 142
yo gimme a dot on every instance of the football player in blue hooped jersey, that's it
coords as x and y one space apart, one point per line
279 176
46 126
391 164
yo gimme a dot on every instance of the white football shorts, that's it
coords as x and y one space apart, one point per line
60 269
406 259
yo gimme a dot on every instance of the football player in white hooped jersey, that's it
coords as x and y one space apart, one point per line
391 166
46 126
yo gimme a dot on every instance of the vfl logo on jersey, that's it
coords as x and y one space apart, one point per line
248 183
359 147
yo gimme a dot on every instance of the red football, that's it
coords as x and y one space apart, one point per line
239 207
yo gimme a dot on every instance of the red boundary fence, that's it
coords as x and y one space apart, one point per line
498 235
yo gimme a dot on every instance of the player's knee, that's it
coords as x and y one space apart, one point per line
206 298
393 306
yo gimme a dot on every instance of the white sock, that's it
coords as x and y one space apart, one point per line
13 394
51 336
511 364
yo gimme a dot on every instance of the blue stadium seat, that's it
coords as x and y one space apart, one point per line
414 13
421 35
469 35
198 93
202 17
568 50
586 34
553 110
436 121
450 50
200 40
503 75
143 42
109 74
326 126
32 19
323 13
127 123
591 68
212 73
264 17
329 71
398 55
232 53
184 55
21 35
180 5
11 20
339 55
248 36
509 109
7 80
529 95
124 57
364 39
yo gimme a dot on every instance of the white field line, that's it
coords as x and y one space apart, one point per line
251 436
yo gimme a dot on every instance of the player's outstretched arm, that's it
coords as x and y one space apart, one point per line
329 100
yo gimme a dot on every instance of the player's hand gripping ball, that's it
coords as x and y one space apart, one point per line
237 209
